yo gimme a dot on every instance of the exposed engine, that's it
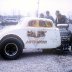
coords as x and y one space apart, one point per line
65 35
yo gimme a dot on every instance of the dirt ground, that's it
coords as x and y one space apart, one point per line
38 61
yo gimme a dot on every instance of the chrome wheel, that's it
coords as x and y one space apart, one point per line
11 49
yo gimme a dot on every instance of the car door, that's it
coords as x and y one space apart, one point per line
42 34
49 36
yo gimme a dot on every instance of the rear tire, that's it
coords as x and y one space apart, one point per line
11 48
71 46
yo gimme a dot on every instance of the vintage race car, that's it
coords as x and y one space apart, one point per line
36 33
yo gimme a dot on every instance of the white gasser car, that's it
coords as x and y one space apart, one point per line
36 33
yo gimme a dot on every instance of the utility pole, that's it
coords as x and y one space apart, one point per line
38 8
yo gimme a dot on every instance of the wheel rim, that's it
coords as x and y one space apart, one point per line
11 49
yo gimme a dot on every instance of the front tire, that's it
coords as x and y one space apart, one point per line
11 48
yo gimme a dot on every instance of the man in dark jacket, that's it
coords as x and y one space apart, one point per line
60 19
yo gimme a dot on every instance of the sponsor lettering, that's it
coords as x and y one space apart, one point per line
37 42
36 35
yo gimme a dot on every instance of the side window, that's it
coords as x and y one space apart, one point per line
49 24
42 23
45 24
32 23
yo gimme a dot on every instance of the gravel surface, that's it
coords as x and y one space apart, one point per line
38 61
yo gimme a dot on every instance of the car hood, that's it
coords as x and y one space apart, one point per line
8 28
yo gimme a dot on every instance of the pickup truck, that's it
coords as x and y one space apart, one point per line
36 33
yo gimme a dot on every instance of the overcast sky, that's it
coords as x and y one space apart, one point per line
29 7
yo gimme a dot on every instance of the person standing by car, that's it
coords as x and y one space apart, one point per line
60 19
41 15
48 16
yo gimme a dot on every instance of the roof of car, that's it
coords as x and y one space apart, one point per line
34 18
